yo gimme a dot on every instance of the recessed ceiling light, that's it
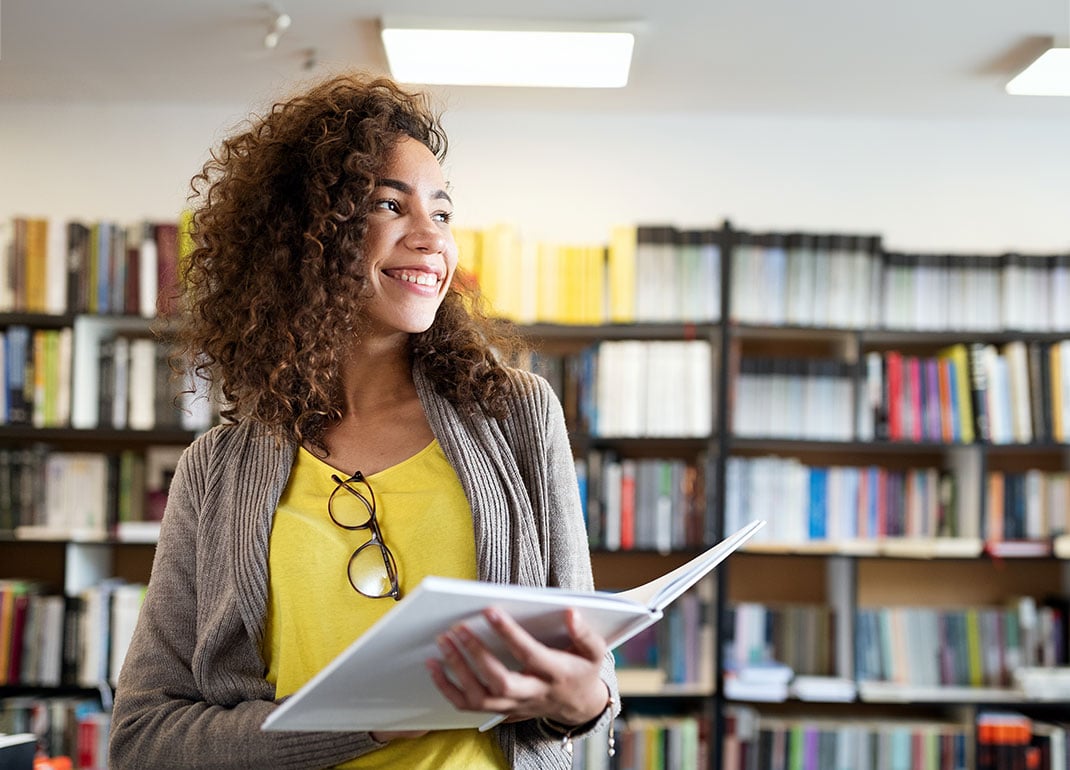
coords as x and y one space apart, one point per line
512 53
1049 75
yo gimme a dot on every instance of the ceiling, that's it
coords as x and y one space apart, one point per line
908 58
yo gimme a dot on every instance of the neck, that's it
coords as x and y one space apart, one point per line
379 373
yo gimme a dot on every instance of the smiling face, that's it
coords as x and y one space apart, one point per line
409 253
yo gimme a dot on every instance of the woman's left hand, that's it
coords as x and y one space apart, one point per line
562 685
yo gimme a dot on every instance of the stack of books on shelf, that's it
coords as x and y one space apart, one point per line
672 657
648 742
643 504
807 399
36 367
100 267
85 496
934 654
74 727
646 274
81 640
757 740
1014 393
847 506
804 279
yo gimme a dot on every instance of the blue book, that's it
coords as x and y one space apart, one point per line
818 503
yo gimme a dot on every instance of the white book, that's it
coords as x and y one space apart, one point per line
142 394
56 268
148 273
380 682
125 606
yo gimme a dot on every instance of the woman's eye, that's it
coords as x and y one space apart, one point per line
443 216
388 204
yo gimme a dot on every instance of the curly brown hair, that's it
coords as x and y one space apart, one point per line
274 282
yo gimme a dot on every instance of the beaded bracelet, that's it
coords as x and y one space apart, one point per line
552 729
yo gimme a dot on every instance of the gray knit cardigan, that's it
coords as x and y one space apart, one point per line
192 692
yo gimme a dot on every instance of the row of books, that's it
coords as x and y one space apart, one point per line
660 273
673 655
73 727
807 399
1009 394
138 390
959 292
645 742
36 366
48 640
804 279
804 503
799 636
47 494
758 741
645 274
634 388
99 267
1034 505
930 647
131 378
642 504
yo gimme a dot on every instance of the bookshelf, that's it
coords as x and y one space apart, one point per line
800 384
86 446
795 410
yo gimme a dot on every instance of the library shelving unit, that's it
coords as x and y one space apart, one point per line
911 587
83 470
913 464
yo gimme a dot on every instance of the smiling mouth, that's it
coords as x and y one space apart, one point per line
417 277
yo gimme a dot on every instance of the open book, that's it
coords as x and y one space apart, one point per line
380 682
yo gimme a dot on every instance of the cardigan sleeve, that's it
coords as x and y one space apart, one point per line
162 717
568 554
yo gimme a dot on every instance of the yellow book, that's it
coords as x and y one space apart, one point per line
499 258
572 279
548 286
621 274
973 648
594 288
959 357
36 256
1055 365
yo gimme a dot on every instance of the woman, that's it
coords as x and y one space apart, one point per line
373 437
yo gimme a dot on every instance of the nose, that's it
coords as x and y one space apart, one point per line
426 235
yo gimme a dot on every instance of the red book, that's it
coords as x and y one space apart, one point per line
893 365
167 268
18 630
627 505
947 409
915 390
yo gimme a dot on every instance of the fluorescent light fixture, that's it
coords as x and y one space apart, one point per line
1049 75
507 53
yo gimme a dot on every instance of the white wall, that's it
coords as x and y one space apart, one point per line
983 186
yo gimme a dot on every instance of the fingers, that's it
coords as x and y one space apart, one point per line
551 682
585 642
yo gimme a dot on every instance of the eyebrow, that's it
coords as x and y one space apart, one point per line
400 186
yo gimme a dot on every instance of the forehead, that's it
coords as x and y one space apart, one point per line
411 162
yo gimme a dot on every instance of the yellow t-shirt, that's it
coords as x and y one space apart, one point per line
313 611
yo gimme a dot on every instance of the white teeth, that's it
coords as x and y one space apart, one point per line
423 279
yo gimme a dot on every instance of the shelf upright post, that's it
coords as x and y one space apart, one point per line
720 446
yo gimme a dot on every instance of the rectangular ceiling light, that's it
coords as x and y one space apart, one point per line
554 55
1049 75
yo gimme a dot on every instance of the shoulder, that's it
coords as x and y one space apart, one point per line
529 393
221 443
